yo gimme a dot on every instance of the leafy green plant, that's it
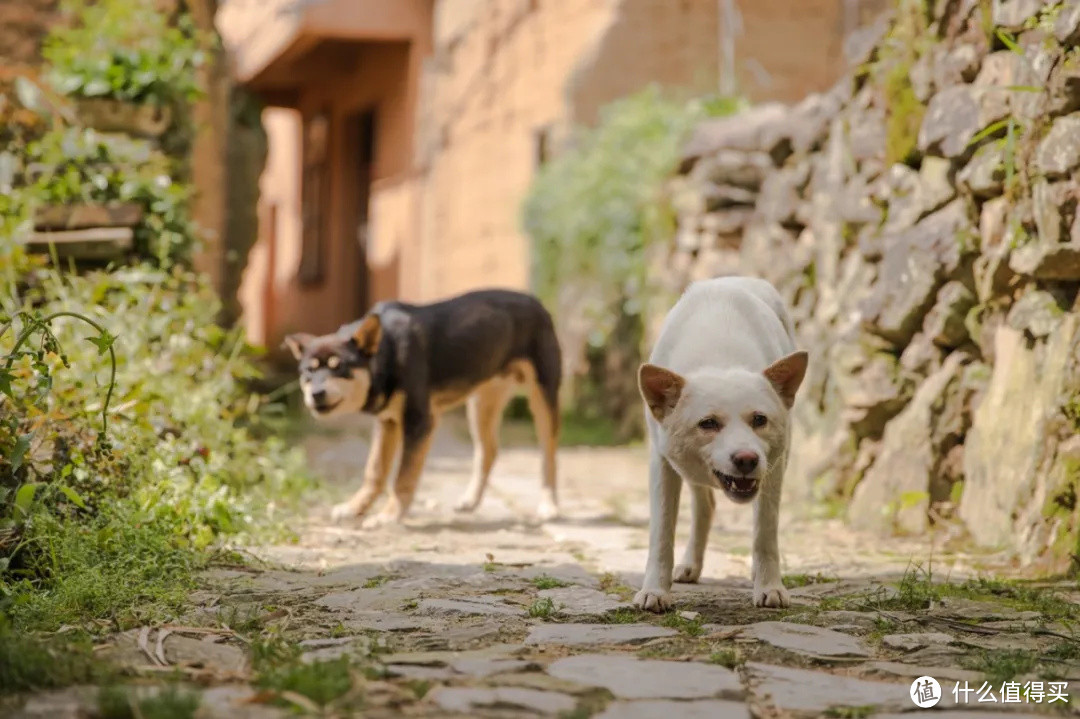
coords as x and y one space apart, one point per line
126 50
543 608
76 165
901 49
114 530
593 210
596 214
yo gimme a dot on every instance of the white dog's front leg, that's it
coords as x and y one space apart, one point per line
703 506
768 583
664 487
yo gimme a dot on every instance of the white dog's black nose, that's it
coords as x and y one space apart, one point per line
319 398
745 461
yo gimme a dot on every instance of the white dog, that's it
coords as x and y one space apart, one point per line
718 390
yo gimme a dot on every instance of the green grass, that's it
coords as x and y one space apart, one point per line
792 581
623 615
729 657
578 431
689 627
376 581
419 687
242 620
543 608
850 712
611 584
1001 665
917 590
1065 651
28 663
547 582
278 668
115 569
170 703
1018 595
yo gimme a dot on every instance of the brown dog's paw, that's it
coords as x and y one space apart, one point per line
343 511
468 503
547 511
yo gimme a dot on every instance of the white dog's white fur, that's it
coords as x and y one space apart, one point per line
718 390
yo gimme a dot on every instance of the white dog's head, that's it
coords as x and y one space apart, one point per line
726 425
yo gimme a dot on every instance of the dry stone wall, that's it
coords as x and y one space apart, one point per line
921 220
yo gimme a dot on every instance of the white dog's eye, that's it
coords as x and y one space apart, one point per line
313 364
333 362
709 424
758 420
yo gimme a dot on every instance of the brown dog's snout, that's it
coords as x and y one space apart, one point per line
745 461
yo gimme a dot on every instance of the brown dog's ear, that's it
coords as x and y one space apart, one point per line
787 374
660 388
368 334
296 343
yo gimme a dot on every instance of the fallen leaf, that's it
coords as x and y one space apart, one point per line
160 649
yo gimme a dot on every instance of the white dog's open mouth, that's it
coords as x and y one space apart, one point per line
740 489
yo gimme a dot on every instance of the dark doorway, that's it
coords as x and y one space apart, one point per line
360 159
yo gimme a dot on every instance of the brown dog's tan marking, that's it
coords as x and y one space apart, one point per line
385 445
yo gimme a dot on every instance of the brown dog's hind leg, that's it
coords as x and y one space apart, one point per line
385 443
484 409
546 419
543 387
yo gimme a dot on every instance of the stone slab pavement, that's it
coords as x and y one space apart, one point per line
494 614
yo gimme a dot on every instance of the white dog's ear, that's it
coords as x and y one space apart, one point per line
660 388
296 343
787 374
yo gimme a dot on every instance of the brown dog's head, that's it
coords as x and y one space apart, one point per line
335 369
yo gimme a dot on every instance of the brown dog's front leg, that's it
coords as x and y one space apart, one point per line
418 432
385 443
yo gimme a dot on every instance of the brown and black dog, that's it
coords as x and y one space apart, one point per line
407 364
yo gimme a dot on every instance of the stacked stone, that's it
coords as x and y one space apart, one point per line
938 296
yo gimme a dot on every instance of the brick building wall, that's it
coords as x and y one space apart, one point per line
506 80
465 116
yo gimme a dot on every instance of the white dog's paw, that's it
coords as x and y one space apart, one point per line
466 504
773 595
686 573
341 512
547 511
653 600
